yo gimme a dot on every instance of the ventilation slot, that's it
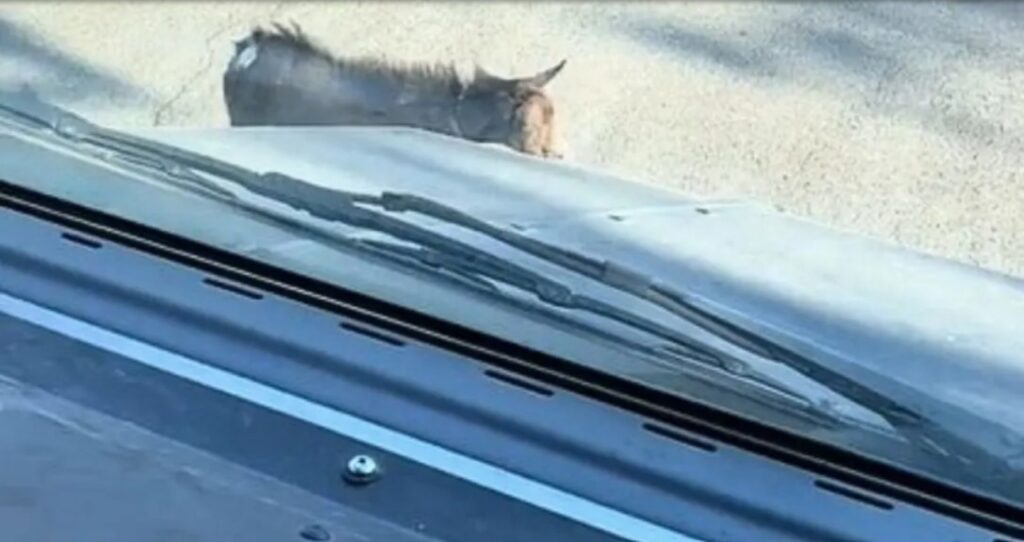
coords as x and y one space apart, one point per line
79 240
519 383
855 495
355 328
238 290
680 437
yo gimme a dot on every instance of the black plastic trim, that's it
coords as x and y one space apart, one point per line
518 382
372 333
237 290
853 495
79 240
678 436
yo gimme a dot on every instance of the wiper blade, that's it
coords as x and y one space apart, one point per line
349 208
424 258
460 257
473 276
466 260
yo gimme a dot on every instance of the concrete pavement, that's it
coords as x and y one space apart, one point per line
903 121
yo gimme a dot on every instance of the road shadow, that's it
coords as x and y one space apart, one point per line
26 60
901 59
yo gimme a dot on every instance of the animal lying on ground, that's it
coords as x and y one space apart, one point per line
281 77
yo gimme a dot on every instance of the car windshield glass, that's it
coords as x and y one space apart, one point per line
772 209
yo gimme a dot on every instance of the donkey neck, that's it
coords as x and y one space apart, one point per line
405 100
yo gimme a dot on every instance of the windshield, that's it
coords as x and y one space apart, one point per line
803 214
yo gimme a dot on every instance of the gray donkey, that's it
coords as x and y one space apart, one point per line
281 77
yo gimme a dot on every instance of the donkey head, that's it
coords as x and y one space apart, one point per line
516 112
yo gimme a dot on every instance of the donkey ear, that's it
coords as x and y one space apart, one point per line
485 81
544 77
481 74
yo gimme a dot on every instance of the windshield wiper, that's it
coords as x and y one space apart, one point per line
935 440
458 260
926 434
325 203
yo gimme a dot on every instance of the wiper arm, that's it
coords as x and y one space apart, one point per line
341 206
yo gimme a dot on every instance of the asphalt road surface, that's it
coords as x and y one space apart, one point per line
901 121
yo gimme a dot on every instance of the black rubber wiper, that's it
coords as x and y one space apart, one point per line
935 440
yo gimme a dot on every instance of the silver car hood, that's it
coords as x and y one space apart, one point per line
932 326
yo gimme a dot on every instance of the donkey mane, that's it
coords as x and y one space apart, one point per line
429 77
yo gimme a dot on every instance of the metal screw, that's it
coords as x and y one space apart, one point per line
362 469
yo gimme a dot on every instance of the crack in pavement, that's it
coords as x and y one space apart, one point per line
166 106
